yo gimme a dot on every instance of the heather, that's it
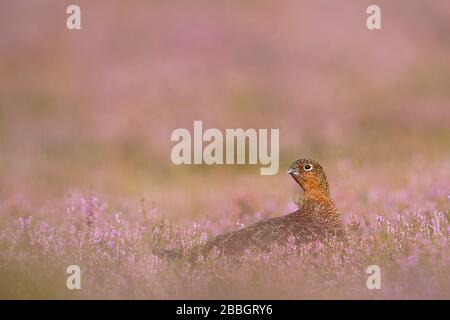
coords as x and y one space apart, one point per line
409 241
85 124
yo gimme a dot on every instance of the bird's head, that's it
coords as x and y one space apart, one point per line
310 176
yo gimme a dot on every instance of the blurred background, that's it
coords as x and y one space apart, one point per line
95 108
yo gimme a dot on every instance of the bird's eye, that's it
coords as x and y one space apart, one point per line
308 167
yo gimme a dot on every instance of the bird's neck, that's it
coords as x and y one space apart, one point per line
319 198
321 194
320 205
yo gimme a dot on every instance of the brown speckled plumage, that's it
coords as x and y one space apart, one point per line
316 218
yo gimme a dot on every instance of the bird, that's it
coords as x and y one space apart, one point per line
316 218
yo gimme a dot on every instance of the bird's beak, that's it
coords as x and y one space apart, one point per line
290 171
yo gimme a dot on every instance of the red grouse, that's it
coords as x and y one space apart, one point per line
316 218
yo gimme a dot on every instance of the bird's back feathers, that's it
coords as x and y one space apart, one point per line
311 222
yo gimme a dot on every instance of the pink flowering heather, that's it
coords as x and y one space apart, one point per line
86 117
117 259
